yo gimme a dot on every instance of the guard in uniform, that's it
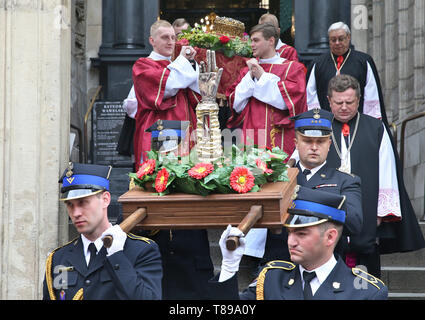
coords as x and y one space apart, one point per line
312 131
314 225
84 269
186 259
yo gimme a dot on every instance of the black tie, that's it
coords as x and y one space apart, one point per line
308 276
306 172
93 250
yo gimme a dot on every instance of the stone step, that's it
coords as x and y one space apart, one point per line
404 279
406 296
405 259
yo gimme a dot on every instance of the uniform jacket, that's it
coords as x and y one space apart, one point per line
332 180
133 273
329 180
187 264
281 280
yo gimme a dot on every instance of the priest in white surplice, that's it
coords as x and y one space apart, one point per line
361 145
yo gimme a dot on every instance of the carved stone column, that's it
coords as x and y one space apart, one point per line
125 38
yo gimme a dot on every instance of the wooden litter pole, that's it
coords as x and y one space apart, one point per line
128 224
254 214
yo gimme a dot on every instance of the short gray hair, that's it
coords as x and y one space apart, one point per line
339 25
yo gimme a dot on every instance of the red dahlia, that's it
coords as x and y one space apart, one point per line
241 180
201 170
146 168
263 166
161 180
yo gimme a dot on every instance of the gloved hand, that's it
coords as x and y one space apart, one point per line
231 259
119 238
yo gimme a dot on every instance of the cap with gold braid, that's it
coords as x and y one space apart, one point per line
314 123
82 180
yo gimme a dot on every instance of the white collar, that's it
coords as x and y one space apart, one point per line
156 56
98 243
275 59
314 170
323 271
279 44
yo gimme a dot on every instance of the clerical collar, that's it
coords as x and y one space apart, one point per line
275 59
156 56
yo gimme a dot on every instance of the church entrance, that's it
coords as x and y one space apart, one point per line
246 11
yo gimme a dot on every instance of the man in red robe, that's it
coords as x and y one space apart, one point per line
164 90
267 93
167 90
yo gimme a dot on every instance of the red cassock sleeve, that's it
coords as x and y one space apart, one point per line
271 126
288 52
150 78
293 91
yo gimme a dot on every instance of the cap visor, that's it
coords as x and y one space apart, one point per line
315 133
79 193
300 221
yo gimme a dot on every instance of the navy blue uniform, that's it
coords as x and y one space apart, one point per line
133 273
186 262
281 280
329 180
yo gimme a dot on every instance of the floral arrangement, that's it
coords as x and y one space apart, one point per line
229 46
240 172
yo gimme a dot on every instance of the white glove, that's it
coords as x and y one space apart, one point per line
119 238
232 259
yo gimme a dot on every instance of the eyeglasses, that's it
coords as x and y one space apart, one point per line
339 39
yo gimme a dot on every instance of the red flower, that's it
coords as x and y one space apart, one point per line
224 39
241 180
183 42
146 168
263 166
161 180
201 170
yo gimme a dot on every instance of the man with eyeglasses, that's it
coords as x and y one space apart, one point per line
343 59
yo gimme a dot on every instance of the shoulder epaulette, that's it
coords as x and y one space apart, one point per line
280 264
276 264
134 237
369 278
49 278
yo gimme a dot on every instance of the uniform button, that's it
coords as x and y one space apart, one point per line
116 267
88 282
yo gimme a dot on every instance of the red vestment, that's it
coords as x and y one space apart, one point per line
288 52
149 78
265 125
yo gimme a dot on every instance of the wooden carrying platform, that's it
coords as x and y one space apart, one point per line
187 211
